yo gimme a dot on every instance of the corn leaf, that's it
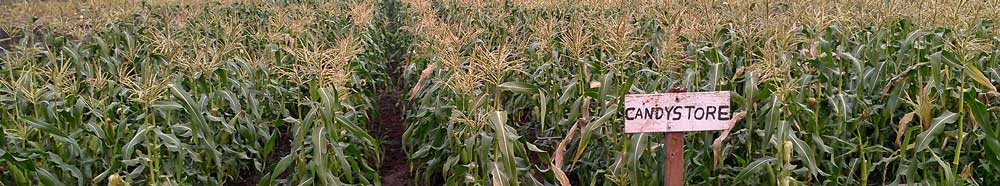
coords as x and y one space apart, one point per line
937 125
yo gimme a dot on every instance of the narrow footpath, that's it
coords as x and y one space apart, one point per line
389 128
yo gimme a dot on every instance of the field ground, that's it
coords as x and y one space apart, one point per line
488 92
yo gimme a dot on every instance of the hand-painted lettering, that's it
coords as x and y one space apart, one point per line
679 112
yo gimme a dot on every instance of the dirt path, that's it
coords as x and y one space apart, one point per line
389 129
390 126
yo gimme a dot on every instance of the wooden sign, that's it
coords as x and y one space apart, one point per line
677 112
674 113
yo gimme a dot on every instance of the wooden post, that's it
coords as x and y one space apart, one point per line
674 165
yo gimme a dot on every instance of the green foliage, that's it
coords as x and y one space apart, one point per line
502 93
834 97
195 95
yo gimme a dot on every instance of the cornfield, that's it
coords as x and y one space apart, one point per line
208 93
487 92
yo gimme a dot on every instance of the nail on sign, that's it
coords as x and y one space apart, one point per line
676 112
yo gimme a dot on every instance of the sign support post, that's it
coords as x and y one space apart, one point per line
674 164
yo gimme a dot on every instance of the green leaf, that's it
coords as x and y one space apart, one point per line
47 177
360 133
46 127
264 180
269 145
189 105
754 167
980 117
19 176
948 174
280 168
136 139
3 139
805 153
714 76
167 105
448 164
169 138
568 92
599 122
506 150
97 130
318 160
519 87
200 126
937 125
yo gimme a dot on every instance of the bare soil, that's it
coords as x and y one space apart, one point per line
389 128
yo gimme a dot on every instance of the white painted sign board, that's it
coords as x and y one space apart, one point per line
677 112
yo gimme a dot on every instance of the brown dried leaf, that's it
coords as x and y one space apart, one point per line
559 154
903 123
813 51
561 176
423 76
717 145
739 73
966 172
972 119
924 106
595 84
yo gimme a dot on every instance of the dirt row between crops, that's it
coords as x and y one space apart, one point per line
394 170
390 130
